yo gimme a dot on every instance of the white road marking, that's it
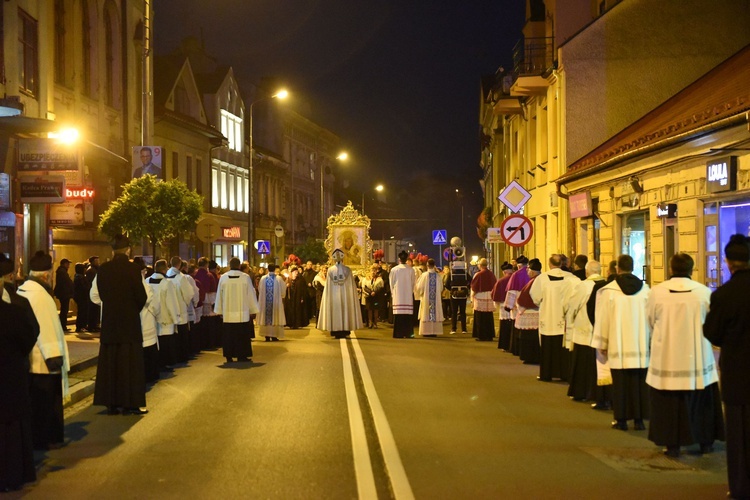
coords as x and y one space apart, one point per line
362 465
395 468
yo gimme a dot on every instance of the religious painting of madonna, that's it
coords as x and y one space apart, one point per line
352 241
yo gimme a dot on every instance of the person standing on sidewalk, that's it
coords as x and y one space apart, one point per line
236 302
63 291
50 361
402 283
728 326
120 374
95 311
271 319
685 399
623 336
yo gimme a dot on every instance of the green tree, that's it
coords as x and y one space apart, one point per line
313 250
152 209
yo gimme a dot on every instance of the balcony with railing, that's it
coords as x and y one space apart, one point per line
533 60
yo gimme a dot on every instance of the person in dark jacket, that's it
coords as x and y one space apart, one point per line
63 291
120 374
18 333
295 308
727 326
81 289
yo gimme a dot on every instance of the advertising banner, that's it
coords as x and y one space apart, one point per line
46 155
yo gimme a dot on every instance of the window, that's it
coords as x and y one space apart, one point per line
198 176
240 199
175 166
189 172
247 195
214 187
231 128
223 188
28 49
86 48
230 190
60 42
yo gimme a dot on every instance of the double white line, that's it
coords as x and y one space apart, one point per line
362 465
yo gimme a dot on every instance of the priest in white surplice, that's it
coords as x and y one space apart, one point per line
271 319
550 291
429 291
236 302
402 281
623 335
340 310
685 399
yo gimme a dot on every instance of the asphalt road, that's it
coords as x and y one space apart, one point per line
314 417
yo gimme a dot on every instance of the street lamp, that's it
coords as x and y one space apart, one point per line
461 199
342 156
379 188
281 94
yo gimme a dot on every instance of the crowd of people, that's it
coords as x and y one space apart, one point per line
642 353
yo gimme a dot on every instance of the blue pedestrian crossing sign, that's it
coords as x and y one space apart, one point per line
264 246
440 237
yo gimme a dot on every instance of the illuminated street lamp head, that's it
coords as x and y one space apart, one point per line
66 135
281 94
343 156
379 188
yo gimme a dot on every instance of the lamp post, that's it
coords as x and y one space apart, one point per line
461 199
379 188
342 156
281 94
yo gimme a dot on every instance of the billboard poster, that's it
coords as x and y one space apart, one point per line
147 160
46 155
68 213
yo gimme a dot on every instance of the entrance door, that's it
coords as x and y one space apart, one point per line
635 242
711 245
671 246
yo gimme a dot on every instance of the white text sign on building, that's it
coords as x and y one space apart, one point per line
721 174
46 155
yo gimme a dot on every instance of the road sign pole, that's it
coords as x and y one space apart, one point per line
441 256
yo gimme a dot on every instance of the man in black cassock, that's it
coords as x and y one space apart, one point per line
120 375
297 298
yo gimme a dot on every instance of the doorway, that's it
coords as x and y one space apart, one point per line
634 242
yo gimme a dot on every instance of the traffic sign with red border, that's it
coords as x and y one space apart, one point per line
517 230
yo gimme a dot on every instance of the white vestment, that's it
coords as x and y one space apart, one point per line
429 291
185 294
576 315
149 313
401 279
681 357
271 318
235 297
51 341
549 291
340 309
621 327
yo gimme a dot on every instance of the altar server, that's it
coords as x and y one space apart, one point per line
271 319
402 281
236 302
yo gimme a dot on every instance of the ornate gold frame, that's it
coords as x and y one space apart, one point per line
350 218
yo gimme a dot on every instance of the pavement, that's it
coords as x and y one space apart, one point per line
84 355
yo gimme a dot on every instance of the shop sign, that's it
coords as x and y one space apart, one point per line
47 189
44 155
68 213
581 205
82 193
494 235
4 191
231 233
666 210
721 174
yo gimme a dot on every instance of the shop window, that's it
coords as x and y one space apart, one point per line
734 218
633 243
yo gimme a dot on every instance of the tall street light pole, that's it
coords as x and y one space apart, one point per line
281 94
461 199
379 188
343 156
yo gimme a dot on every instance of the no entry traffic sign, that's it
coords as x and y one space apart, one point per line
517 230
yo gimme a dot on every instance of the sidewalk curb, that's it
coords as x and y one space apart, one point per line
80 391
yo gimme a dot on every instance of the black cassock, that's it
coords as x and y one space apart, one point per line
120 375
295 304
17 337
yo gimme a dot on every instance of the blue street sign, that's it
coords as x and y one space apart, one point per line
440 237
264 246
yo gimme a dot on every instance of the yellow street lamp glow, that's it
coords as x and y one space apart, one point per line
281 94
379 188
65 135
343 156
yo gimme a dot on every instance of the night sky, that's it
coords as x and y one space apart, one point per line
398 81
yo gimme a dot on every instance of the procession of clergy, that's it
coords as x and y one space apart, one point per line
620 345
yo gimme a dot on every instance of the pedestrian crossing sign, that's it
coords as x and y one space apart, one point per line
264 246
440 237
